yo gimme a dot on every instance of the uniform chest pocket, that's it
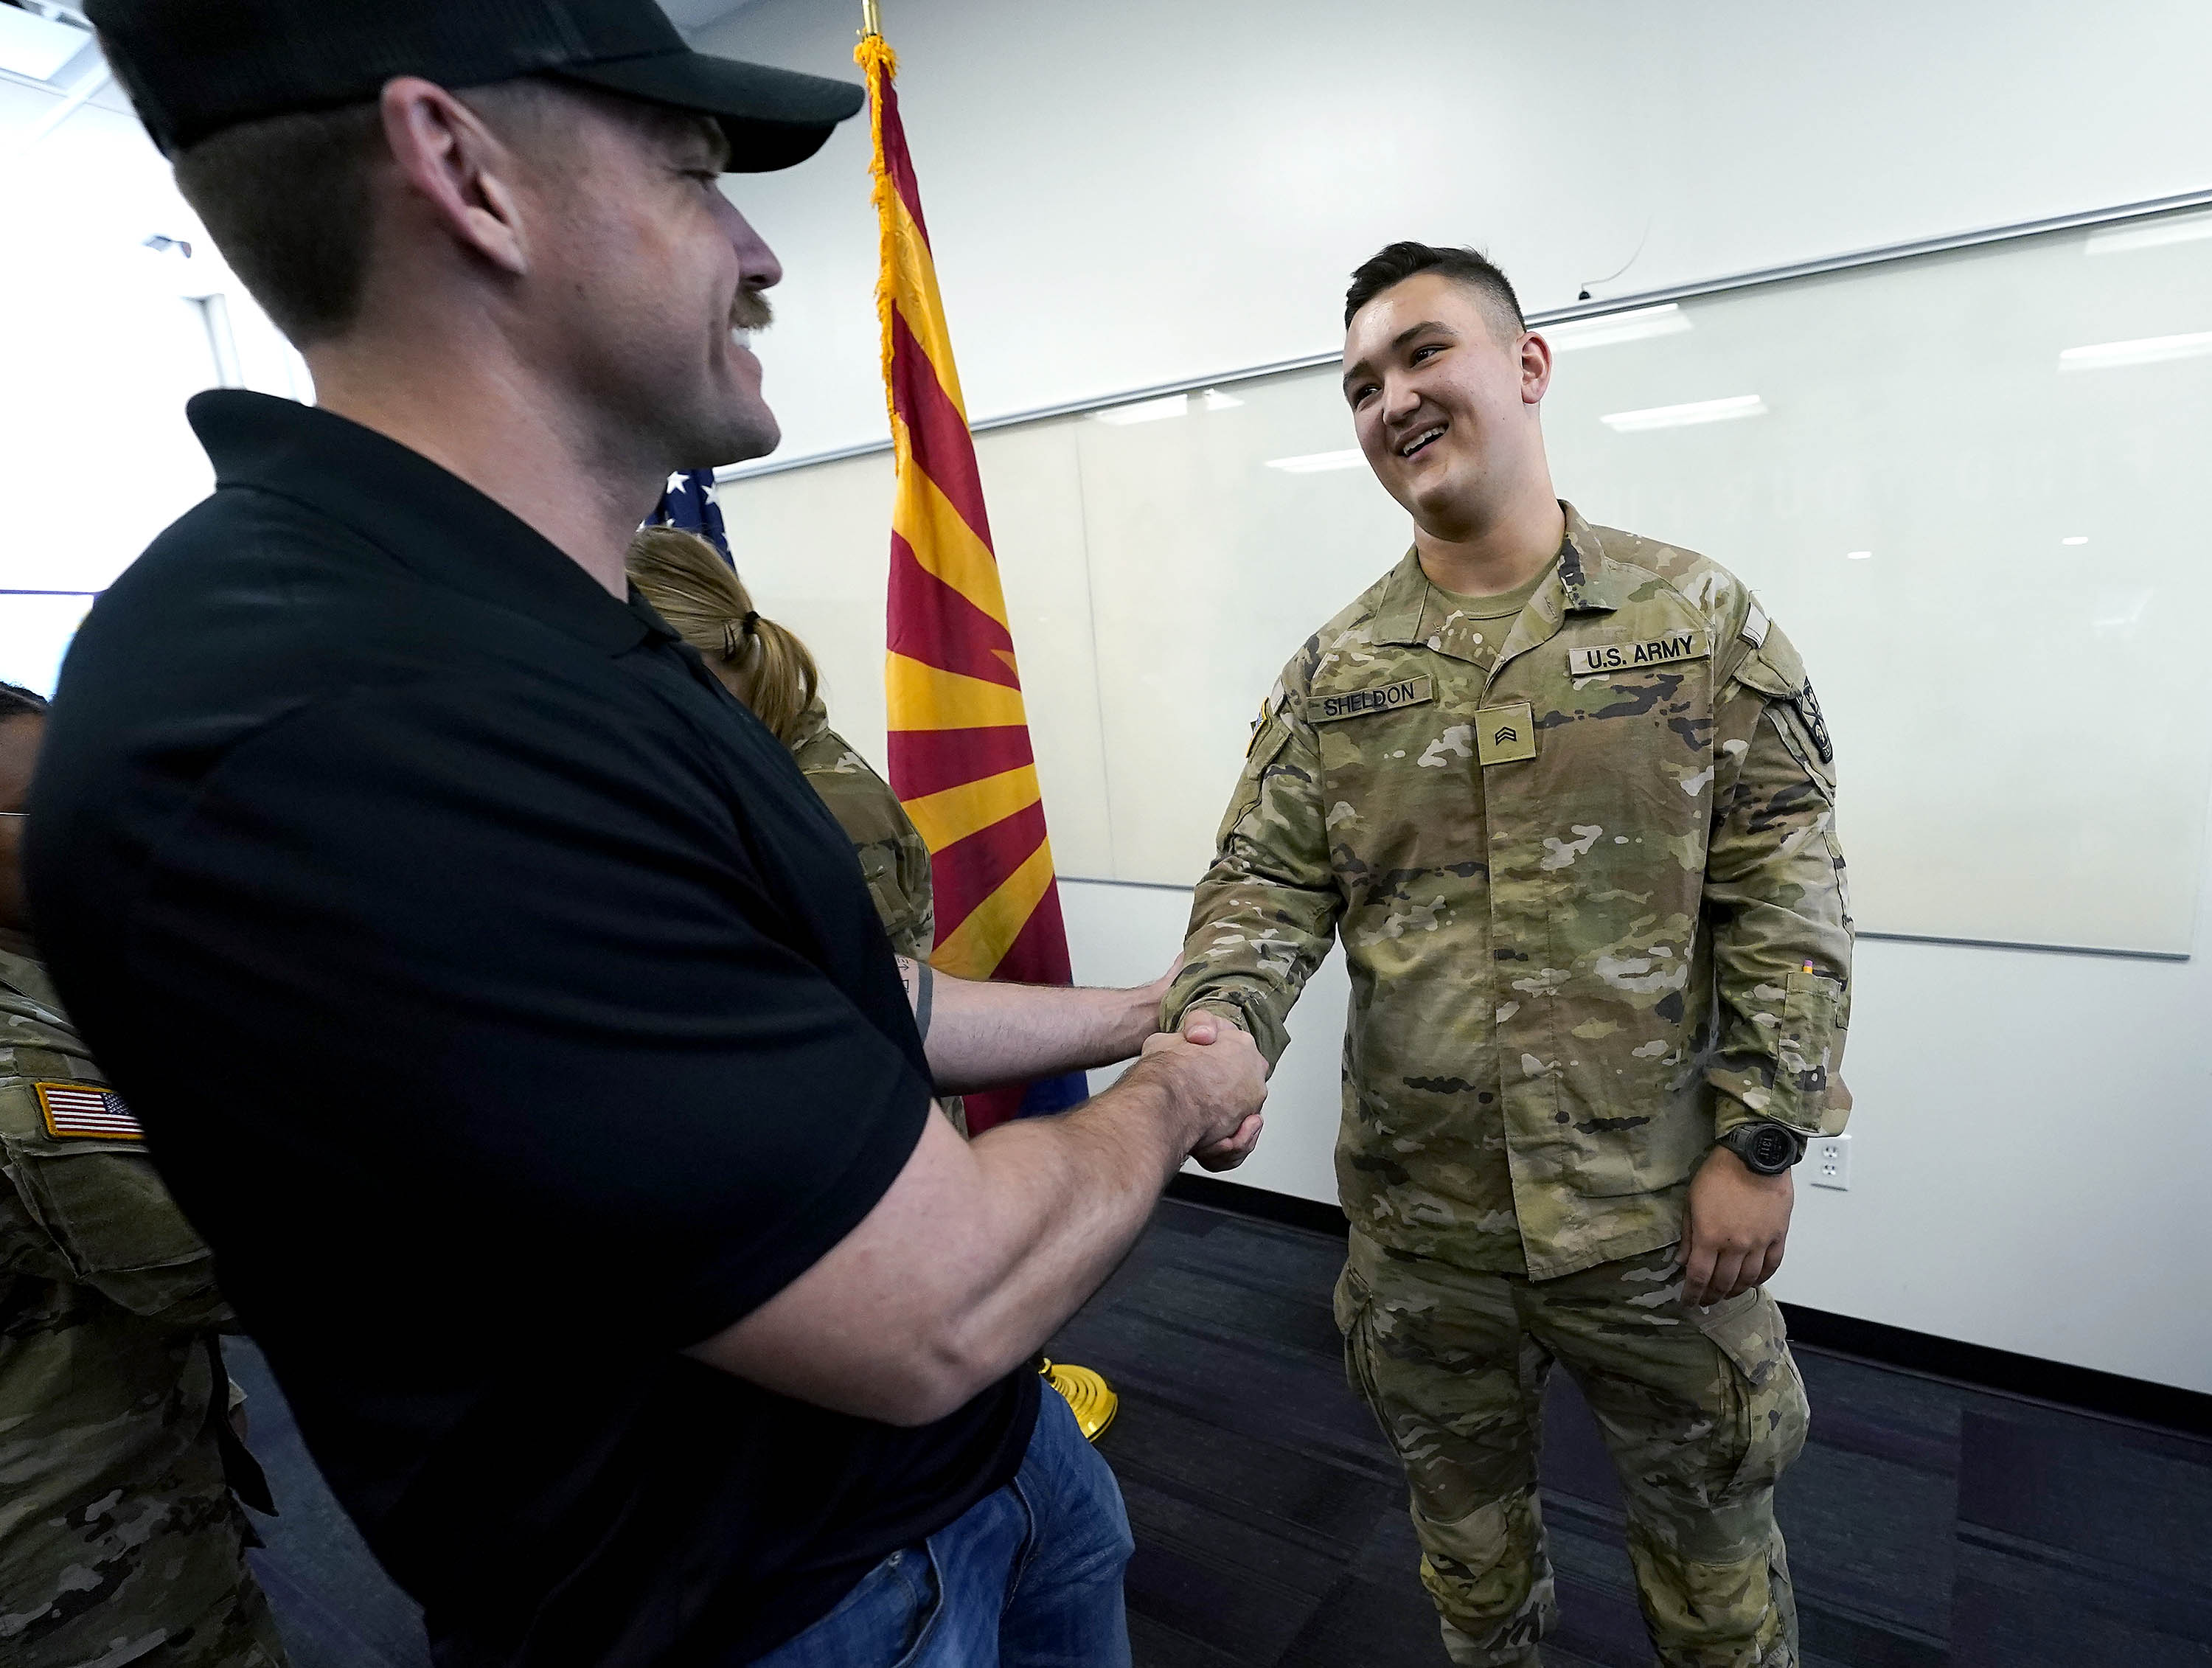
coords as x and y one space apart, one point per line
1400 788
105 1207
1631 750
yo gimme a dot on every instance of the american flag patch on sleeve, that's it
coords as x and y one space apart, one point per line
85 1111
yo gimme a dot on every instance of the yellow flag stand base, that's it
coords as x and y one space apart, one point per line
1091 1397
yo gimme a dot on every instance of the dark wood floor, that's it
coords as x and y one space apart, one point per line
1929 1524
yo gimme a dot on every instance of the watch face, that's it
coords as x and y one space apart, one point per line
1772 1149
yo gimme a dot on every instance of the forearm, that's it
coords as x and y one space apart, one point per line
978 1252
1251 950
1781 927
978 1034
1063 1201
1265 912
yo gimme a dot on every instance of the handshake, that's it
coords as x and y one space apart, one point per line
1209 1074
1197 1090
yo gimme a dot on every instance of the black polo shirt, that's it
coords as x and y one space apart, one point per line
508 1012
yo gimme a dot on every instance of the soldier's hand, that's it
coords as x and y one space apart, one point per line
1157 990
1140 1016
1738 1224
1218 1080
1227 1155
1201 1026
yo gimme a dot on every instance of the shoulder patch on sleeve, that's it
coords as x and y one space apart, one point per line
1773 667
1272 707
86 1112
1809 713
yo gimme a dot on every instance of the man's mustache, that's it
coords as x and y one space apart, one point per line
751 311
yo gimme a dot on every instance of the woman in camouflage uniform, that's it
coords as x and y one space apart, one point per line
766 667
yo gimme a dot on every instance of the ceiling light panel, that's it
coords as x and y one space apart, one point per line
1144 410
1684 417
1315 463
1634 327
2146 350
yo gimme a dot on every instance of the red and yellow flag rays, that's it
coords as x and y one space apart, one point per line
959 741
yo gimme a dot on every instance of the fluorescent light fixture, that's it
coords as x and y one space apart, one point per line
2183 228
2078 539
1315 463
2148 350
1857 555
1214 400
1145 411
1669 320
1681 417
37 46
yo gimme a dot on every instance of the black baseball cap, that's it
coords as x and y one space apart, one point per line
194 67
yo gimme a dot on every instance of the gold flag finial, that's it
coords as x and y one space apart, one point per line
871 19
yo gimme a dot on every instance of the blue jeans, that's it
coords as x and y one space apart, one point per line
1029 1577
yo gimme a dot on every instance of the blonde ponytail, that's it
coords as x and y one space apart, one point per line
691 587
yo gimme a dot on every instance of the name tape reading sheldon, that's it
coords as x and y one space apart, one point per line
1383 698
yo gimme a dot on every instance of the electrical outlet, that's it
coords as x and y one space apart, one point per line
1828 1160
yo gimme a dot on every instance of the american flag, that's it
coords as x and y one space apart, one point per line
689 506
85 1111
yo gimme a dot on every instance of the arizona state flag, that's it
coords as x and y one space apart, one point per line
959 741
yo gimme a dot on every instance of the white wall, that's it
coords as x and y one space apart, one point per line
1129 194
104 344
2028 1145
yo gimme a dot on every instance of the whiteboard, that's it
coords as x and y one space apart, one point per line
1966 484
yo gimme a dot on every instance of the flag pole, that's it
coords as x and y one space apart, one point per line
1089 1396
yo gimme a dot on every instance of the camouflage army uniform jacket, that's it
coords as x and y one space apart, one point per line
894 857
894 860
118 1534
1587 886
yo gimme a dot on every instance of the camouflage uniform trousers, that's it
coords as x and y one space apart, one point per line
106 1617
1701 1411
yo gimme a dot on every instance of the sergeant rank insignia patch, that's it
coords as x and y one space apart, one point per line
85 1111
1605 657
1504 735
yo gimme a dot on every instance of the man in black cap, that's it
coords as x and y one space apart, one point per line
571 1152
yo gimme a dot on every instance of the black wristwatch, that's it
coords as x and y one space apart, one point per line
1766 1149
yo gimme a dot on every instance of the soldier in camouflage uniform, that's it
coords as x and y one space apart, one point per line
120 1542
894 859
1577 838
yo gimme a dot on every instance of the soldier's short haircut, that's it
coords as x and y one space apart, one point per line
1397 262
287 198
287 201
16 702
